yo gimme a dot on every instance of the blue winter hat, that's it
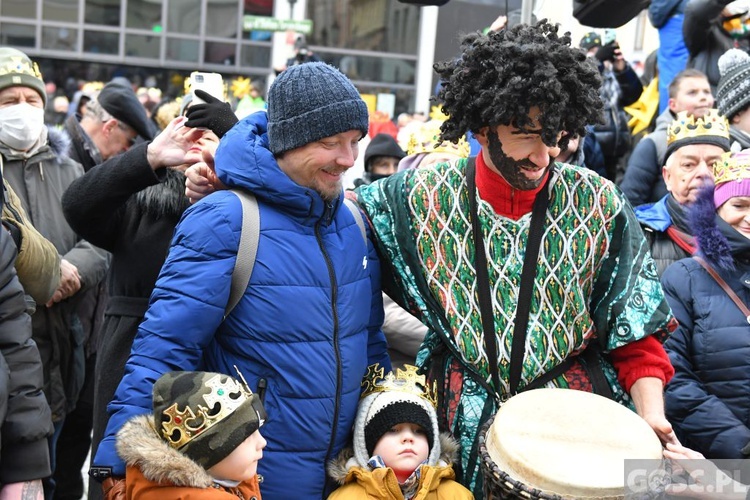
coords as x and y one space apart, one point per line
310 101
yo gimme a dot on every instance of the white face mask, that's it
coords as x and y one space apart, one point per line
21 125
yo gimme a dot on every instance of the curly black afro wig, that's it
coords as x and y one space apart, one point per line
502 75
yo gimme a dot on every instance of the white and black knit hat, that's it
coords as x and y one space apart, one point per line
380 411
310 101
733 91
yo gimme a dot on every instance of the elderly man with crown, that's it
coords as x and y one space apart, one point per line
707 400
693 145
397 450
528 273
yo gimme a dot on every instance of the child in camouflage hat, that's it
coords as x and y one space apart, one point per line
203 435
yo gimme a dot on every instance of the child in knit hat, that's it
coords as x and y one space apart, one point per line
397 452
202 440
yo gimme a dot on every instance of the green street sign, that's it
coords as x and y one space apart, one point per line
262 23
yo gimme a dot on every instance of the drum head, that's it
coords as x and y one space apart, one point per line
569 443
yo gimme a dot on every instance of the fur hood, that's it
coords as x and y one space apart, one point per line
339 467
59 142
140 446
166 198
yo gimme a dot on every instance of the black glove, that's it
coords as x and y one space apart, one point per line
607 52
214 114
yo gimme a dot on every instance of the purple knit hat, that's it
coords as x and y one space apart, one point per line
731 176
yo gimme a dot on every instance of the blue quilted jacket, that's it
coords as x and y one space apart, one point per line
303 333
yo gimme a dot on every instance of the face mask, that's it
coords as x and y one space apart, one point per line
21 125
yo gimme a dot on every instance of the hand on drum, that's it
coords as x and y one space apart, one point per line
662 428
201 179
705 479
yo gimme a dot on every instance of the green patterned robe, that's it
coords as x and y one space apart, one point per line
595 279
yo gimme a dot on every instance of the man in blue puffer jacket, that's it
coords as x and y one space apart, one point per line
309 322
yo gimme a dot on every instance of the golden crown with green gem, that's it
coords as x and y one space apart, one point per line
404 380
190 423
732 167
426 139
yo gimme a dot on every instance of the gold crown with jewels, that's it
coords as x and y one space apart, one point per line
732 167
426 139
18 64
190 424
686 126
405 380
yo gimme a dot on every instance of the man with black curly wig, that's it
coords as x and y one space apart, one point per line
596 313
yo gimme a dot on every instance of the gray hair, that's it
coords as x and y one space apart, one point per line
95 111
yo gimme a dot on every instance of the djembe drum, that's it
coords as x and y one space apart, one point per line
561 443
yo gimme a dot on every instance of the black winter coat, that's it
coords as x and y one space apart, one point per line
705 39
24 413
122 206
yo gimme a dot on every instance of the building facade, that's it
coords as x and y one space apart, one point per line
384 46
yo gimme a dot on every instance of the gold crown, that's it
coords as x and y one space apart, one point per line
406 380
437 114
184 426
241 87
687 126
732 167
90 88
18 64
426 139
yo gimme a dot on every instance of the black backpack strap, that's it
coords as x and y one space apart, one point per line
536 231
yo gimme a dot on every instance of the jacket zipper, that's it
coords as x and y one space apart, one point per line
334 296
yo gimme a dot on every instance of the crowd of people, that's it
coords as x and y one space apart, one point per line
407 275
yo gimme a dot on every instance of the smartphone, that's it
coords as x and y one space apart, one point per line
212 83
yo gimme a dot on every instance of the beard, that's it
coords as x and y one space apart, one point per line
510 169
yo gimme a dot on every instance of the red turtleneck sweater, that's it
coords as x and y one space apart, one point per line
642 358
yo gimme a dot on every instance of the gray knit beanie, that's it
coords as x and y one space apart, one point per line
733 91
310 101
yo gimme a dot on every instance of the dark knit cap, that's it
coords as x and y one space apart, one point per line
17 70
308 102
205 415
121 102
395 411
733 91
382 145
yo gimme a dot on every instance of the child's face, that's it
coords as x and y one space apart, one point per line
242 463
403 448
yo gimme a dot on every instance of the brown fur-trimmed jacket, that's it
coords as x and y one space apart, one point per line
156 471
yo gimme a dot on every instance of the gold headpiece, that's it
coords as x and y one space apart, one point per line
241 87
90 88
18 64
688 127
426 139
230 395
406 380
732 167
437 114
